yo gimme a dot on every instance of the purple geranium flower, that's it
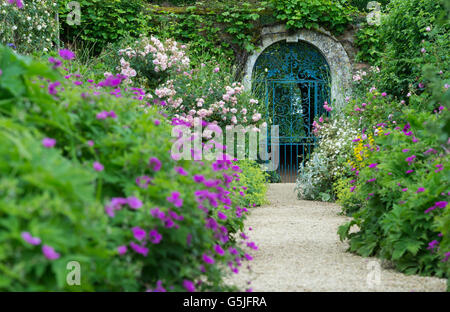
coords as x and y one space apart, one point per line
208 259
98 166
219 250
189 285
66 54
139 249
155 163
50 253
134 202
139 233
221 215
155 237
48 142
175 199
122 249
181 171
30 239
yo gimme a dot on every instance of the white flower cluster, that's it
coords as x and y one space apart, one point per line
329 159
31 28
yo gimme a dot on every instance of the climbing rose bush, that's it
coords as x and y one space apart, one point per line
90 178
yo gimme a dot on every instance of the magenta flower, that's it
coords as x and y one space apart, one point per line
139 249
219 250
48 142
90 143
248 257
188 285
155 237
420 190
216 70
19 3
50 253
406 150
139 233
409 171
156 122
327 108
352 189
441 204
102 115
143 181
433 244
405 189
66 54
181 171
52 87
447 256
371 180
155 164
112 114
199 178
175 199
208 259
56 62
30 239
384 94
373 165
134 202
98 166
122 249
221 215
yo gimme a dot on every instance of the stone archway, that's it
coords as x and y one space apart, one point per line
327 44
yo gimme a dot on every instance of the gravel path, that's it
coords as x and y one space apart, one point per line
299 250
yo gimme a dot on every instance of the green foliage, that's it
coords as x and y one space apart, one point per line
328 162
394 222
30 29
56 195
369 44
254 180
362 4
103 21
313 14
224 31
345 198
400 39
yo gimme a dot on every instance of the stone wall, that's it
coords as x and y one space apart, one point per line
332 49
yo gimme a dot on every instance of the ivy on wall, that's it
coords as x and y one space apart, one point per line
333 15
213 29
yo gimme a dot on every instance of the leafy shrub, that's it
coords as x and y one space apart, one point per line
30 28
345 197
104 136
399 190
313 14
369 45
254 180
103 21
329 160
412 37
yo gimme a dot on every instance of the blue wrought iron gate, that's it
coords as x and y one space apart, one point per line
294 77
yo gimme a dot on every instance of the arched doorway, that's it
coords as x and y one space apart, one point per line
294 80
